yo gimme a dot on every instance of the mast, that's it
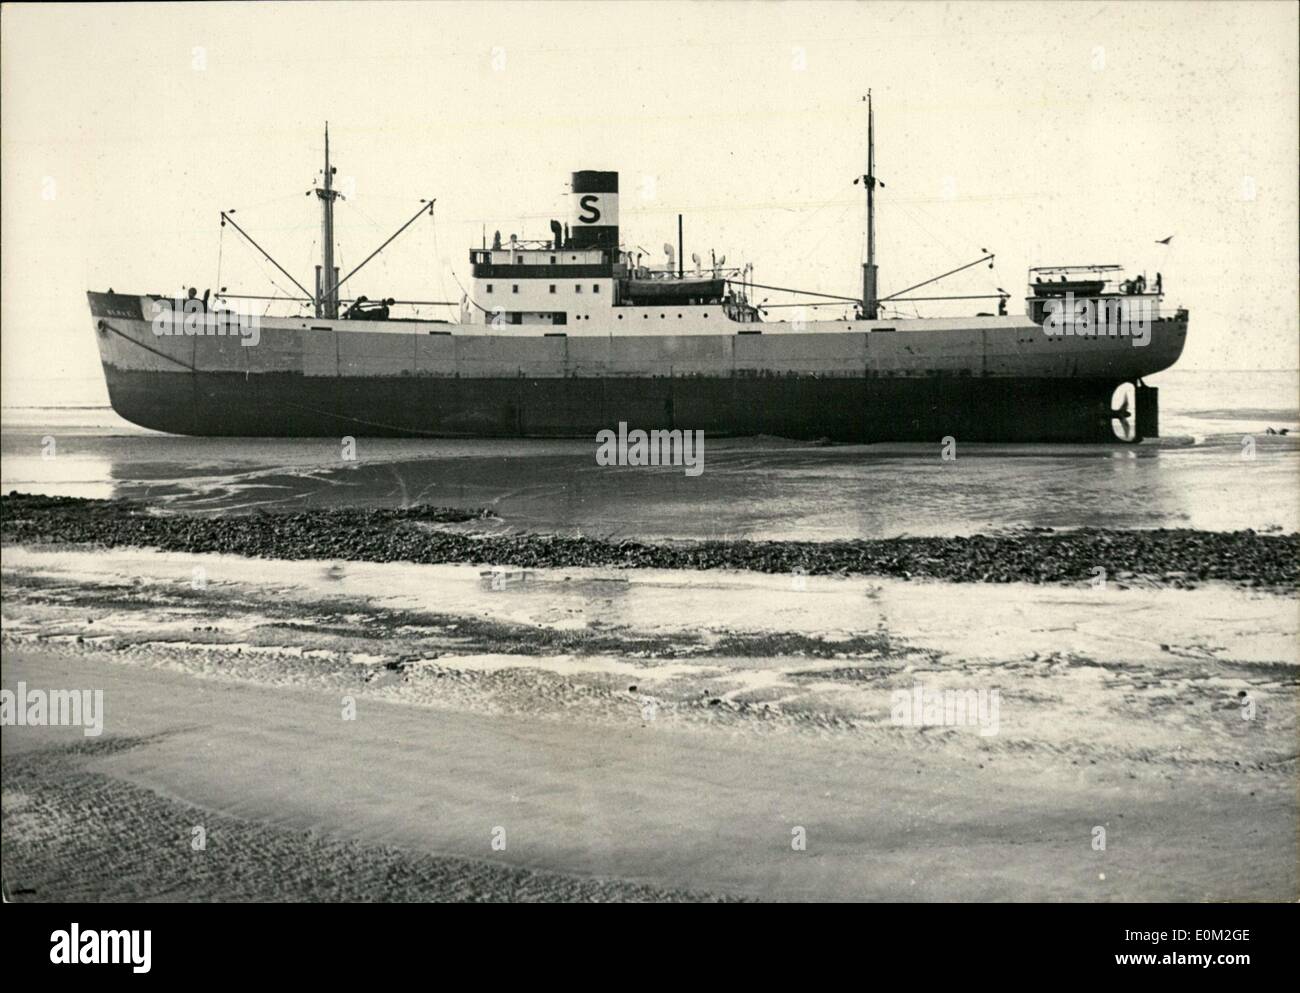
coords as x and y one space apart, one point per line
870 295
327 277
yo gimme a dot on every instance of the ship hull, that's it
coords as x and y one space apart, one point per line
999 382
848 410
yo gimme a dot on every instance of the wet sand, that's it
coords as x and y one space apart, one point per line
131 843
658 735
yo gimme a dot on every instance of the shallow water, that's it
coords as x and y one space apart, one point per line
1197 475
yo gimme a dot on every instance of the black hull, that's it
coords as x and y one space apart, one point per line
844 409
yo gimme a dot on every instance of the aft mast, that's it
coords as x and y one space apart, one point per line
870 296
327 276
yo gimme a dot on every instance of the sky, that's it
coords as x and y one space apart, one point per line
1052 133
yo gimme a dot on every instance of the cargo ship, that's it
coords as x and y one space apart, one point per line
573 334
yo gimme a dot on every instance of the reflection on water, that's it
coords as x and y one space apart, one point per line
57 474
751 488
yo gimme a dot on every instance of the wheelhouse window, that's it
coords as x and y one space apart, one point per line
577 287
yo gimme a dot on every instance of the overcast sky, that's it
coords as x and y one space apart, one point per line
1049 133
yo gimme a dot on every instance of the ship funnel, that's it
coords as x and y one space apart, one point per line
595 210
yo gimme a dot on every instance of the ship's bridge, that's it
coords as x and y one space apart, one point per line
540 283
533 253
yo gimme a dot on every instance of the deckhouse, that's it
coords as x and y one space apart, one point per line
582 279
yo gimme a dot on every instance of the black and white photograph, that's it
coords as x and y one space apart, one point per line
652 452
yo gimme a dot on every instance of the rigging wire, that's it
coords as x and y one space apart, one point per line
466 295
965 235
221 244
463 292
913 216
311 254
806 219
260 263
437 261
266 203
383 263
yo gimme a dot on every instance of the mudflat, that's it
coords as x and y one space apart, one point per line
396 731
